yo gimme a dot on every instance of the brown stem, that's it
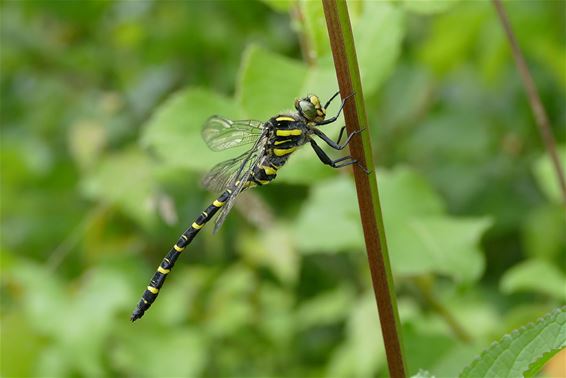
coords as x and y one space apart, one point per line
539 112
348 74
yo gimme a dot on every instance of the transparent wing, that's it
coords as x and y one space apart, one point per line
222 173
240 178
221 133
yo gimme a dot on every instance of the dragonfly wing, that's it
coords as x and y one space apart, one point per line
240 178
219 177
221 133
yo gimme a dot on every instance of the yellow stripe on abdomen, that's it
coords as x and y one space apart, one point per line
152 289
268 170
218 203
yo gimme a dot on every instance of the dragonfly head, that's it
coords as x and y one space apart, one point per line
310 108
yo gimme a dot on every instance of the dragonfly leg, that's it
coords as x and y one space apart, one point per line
336 145
331 98
333 119
338 163
323 156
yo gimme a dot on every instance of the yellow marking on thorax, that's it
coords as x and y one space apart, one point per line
282 141
283 151
163 271
284 118
217 203
154 290
292 132
197 226
177 248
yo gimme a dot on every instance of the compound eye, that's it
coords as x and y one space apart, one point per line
308 109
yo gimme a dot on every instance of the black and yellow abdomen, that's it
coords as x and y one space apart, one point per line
152 291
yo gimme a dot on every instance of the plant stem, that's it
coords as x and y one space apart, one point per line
539 112
347 71
304 41
424 285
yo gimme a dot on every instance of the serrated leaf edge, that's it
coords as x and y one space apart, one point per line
519 330
552 352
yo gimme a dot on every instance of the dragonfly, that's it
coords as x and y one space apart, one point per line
272 143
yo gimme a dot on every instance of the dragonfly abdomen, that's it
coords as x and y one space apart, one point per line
152 291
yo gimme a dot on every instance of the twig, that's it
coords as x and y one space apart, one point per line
347 71
304 40
60 253
539 112
424 285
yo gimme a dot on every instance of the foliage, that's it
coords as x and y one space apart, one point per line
101 157
523 352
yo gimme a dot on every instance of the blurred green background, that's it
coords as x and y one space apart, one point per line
101 157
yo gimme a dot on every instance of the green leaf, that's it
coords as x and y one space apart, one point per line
428 6
276 306
174 131
545 175
229 303
442 245
24 346
378 36
407 194
125 179
329 222
423 374
150 352
417 346
443 48
535 275
272 248
314 28
268 83
362 354
86 141
326 308
43 297
421 238
89 320
539 364
543 231
280 5
521 352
